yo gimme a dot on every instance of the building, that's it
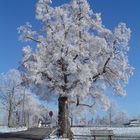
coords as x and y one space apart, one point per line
134 123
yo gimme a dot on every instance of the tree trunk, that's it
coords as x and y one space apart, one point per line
23 110
9 116
17 118
63 120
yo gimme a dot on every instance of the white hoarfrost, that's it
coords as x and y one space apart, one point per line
76 55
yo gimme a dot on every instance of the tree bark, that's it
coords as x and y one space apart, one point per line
23 110
9 116
63 120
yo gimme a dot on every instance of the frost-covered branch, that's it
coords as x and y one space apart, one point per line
78 103
33 39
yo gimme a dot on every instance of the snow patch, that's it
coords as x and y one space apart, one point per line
5 129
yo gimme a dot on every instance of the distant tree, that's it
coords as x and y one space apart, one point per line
10 93
44 113
34 110
91 121
17 101
121 118
98 121
76 58
112 112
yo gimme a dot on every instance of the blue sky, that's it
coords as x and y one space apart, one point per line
14 13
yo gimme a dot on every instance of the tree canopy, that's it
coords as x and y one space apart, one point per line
76 55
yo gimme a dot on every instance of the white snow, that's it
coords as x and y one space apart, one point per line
131 132
118 131
5 129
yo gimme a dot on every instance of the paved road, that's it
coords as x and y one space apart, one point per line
31 134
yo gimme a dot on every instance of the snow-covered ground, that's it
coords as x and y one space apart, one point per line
5 129
120 132
129 132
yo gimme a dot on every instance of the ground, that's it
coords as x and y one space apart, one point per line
80 133
31 134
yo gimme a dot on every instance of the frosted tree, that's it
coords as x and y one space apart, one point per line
111 113
76 58
10 90
33 110
18 103
121 118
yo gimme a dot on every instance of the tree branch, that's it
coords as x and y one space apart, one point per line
45 74
95 77
75 57
35 40
77 102
87 105
73 85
